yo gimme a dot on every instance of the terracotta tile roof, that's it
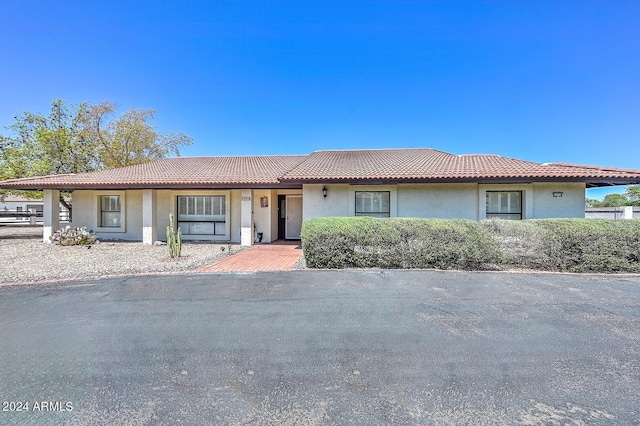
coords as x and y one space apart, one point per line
424 164
376 165
194 172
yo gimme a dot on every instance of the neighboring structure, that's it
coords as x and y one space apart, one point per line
239 199
624 212
18 204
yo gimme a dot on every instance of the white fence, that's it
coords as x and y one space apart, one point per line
627 212
35 217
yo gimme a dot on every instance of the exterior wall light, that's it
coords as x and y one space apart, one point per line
324 191
557 194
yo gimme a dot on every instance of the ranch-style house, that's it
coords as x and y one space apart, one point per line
246 199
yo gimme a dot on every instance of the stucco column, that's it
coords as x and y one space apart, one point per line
149 216
246 218
50 214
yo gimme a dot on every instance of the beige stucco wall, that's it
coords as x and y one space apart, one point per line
406 200
448 201
445 201
262 215
86 212
538 199
335 204
571 204
466 201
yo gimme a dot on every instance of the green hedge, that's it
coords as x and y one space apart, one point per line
575 245
361 242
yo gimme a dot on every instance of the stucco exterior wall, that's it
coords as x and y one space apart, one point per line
444 201
419 200
86 212
262 215
449 201
165 204
570 205
460 201
335 204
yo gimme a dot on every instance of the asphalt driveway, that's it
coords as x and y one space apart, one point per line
323 347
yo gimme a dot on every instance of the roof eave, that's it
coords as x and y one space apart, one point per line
172 186
591 182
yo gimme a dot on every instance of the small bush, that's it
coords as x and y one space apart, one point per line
69 236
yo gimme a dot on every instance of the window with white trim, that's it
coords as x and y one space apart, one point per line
202 214
110 211
504 205
373 203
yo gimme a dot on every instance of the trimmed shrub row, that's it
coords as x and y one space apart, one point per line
575 245
572 245
396 243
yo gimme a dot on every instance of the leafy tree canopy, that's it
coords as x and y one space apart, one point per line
633 194
83 138
617 200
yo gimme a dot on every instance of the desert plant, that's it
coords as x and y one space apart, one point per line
174 239
69 236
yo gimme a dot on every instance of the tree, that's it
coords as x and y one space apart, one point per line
83 138
592 202
614 200
48 145
128 139
633 194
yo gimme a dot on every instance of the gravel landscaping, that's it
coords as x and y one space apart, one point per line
26 258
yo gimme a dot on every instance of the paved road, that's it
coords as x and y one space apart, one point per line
324 347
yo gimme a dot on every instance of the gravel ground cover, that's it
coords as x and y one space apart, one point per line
24 257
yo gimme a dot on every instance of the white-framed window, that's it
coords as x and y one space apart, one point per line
110 211
373 203
202 214
504 205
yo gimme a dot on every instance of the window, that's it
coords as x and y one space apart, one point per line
202 215
110 211
373 203
504 205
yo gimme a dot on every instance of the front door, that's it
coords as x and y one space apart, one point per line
293 217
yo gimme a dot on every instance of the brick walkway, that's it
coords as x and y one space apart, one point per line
277 256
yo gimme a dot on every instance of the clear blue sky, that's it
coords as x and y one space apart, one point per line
538 80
